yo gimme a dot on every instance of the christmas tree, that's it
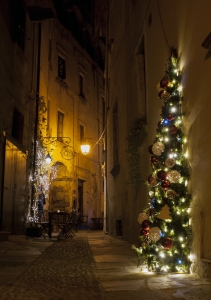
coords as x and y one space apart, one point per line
165 223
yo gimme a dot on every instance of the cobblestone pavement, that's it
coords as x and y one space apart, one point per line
92 265
65 270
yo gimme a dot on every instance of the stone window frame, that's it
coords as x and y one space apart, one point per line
62 53
82 74
60 129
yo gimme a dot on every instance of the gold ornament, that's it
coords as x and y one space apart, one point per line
142 217
165 96
173 176
158 148
170 162
171 194
154 234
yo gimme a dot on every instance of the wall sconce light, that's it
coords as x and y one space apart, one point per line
85 149
48 158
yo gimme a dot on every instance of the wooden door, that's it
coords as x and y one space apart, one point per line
14 210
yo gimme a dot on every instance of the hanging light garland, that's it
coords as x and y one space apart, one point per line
41 179
165 223
45 171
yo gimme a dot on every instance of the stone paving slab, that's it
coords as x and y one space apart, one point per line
122 285
123 280
92 266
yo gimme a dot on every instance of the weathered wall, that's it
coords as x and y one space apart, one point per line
184 25
17 91
64 95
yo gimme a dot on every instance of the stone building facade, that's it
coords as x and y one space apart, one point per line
139 36
52 101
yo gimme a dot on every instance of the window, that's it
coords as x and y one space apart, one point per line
150 20
49 48
115 136
17 125
141 77
81 133
19 17
60 125
81 85
61 68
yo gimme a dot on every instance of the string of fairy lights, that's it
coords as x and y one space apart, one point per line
44 174
45 171
165 224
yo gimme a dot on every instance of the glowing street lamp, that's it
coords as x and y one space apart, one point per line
85 149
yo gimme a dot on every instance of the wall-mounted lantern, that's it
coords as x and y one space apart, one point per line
85 149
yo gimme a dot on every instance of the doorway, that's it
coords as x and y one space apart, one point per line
14 194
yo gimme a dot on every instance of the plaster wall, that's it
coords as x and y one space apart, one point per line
17 91
64 95
170 24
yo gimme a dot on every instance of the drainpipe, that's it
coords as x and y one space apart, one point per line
37 109
106 212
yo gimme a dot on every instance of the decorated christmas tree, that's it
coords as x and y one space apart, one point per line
165 225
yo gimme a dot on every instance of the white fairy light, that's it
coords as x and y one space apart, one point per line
179 88
173 109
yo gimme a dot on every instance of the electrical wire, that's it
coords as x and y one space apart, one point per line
161 21
100 137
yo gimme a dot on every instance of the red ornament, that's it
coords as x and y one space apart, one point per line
164 82
150 149
150 178
146 224
160 94
143 232
173 129
161 175
165 185
167 243
154 160
170 117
